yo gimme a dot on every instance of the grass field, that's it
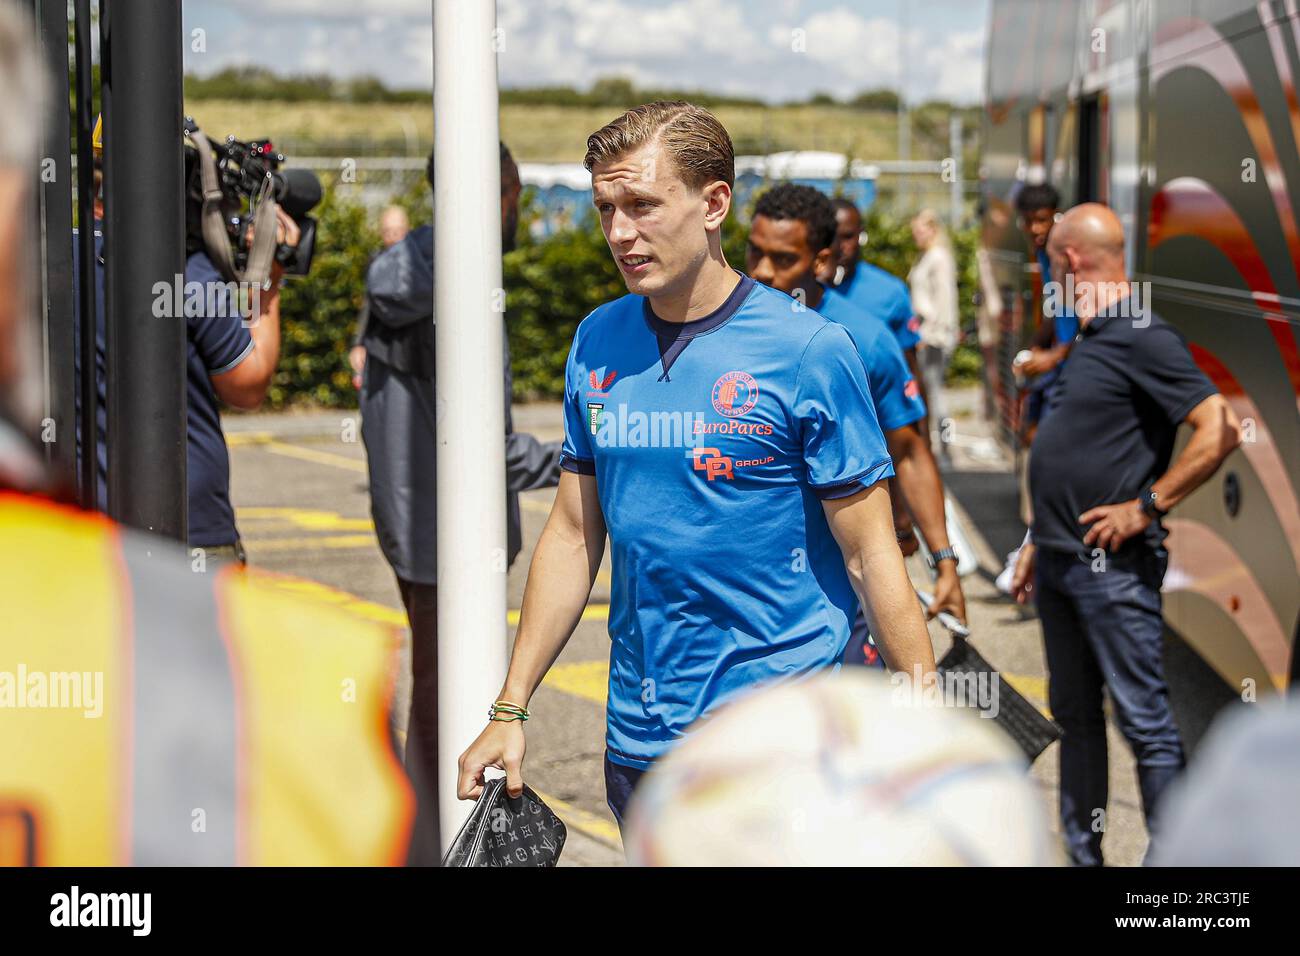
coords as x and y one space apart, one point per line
543 133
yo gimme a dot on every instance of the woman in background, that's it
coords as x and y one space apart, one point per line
933 281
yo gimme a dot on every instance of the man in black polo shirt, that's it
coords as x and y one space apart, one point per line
231 359
1101 479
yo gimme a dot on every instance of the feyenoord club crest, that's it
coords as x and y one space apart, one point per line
593 416
734 394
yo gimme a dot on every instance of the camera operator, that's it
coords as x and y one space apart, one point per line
231 358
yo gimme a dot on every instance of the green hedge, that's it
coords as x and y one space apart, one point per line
551 284
318 312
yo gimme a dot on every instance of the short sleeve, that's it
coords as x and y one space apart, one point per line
904 321
894 391
1163 369
218 331
580 421
843 447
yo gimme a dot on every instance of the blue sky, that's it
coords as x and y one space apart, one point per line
729 46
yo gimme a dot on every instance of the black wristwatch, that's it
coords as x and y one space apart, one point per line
1147 500
943 554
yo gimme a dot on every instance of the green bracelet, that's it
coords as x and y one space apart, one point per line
504 711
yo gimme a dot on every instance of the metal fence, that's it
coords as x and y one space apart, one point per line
903 187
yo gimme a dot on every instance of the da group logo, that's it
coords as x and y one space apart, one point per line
734 394
715 464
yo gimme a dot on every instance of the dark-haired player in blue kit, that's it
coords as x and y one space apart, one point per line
731 451
879 293
789 246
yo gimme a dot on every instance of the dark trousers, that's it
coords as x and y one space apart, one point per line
620 784
1104 628
421 602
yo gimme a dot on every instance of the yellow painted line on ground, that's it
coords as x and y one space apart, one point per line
310 519
335 542
1034 688
319 457
266 442
586 679
596 827
350 602
316 519
1027 684
388 615
238 439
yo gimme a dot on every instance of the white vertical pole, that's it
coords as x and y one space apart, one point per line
469 311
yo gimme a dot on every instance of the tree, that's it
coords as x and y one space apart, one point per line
613 91
879 99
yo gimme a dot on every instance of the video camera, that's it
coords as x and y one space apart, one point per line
247 173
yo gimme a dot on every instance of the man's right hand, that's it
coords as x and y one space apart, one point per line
1044 360
500 745
357 359
1022 581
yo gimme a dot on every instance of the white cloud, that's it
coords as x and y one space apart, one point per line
343 9
732 46
960 67
842 41
616 28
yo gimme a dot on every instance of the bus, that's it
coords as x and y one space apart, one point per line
1182 116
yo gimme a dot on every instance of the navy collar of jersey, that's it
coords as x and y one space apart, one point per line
1095 325
719 316
1102 318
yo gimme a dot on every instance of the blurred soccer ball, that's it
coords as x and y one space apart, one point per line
850 769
